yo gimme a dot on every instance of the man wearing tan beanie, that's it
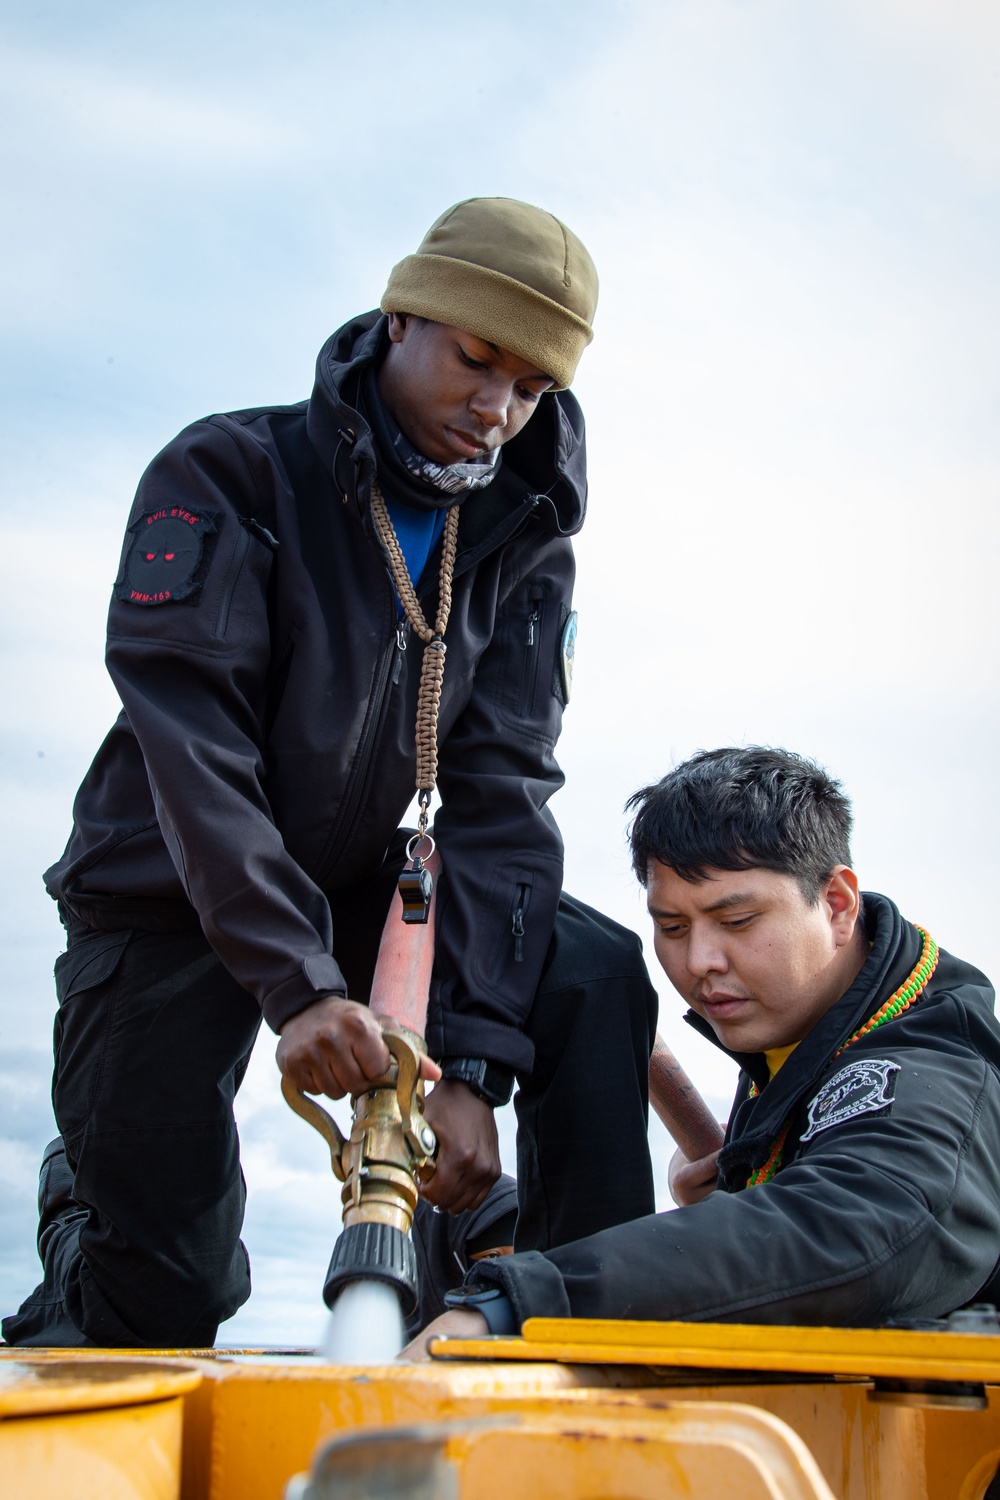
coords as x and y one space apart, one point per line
321 608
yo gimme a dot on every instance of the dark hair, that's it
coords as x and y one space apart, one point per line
741 809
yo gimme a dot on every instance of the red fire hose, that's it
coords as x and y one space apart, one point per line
400 992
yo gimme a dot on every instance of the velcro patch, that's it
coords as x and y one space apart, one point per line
865 1087
166 560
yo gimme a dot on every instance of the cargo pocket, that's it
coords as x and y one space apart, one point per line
85 991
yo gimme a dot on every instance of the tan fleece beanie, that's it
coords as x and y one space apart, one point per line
508 273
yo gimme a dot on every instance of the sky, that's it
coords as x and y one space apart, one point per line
791 402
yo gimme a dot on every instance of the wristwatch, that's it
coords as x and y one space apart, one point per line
491 1301
492 1082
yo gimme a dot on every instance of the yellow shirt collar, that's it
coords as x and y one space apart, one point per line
777 1056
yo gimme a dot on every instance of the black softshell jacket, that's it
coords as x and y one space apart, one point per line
265 754
890 1207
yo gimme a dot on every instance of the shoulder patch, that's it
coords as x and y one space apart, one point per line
865 1087
563 684
167 558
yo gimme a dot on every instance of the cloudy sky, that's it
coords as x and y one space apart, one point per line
791 398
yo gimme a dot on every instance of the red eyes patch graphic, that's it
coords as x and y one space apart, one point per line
166 561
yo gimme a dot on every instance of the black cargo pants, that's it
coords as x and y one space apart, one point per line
141 1246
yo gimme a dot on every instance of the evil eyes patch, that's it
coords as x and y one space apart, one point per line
167 558
864 1087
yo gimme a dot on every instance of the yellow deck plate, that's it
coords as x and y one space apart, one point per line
901 1354
39 1387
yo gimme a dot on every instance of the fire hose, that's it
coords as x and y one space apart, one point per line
392 1147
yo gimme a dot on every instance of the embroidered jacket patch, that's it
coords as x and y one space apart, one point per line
166 560
865 1087
563 685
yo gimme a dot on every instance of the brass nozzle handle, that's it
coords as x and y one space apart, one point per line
318 1118
407 1048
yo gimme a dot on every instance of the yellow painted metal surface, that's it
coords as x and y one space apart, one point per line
265 1422
899 1353
711 1450
256 1424
252 1423
130 1454
38 1384
91 1429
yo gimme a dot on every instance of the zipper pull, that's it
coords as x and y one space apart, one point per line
532 622
260 532
400 650
517 927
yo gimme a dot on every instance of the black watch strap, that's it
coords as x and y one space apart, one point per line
493 1082
491 1301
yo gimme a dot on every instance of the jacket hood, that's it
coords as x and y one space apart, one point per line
548 455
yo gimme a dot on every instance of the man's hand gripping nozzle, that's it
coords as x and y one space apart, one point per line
391 1147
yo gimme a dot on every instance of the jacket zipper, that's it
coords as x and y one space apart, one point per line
517 921
498 537
518 910
229 584
529 673
400 650
388 672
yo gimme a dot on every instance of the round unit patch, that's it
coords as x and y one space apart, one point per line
864 1087
567 655
166 560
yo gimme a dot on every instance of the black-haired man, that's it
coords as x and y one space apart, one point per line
235 844
859 1180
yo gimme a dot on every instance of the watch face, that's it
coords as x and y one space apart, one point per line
491 1301
471 1296
498 1082
493 1082
490 1082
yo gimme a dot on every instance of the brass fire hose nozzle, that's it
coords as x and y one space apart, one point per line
391 1145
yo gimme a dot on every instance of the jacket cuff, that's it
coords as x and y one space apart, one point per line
454 1035
319 975
532 1283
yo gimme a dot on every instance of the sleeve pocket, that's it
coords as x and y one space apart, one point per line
526 700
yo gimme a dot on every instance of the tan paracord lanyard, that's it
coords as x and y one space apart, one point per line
414 890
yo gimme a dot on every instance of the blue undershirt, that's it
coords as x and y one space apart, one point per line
418 532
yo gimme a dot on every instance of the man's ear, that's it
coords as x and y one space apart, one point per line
397 326
842 895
